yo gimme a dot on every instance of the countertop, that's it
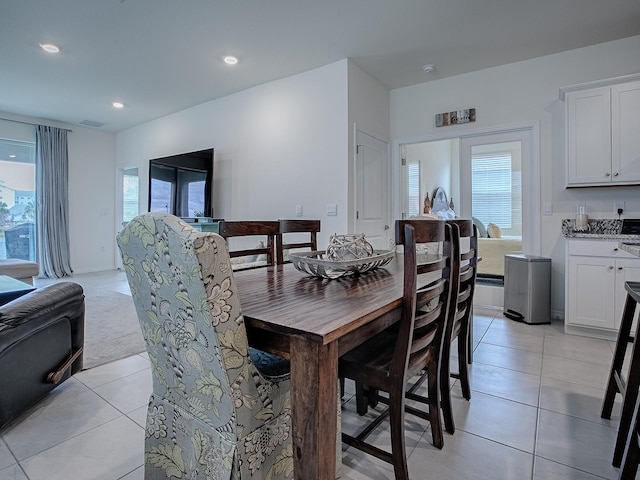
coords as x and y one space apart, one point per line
633 249
598 230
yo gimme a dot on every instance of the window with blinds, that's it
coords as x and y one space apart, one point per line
496 192
413 189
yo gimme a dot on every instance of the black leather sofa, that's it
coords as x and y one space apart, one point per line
41 345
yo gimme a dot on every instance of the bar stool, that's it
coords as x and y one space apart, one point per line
617 384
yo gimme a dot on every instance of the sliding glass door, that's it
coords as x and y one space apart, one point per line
17 200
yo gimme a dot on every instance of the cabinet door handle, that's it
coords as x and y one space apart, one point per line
619 268
616 174
610 267
607 174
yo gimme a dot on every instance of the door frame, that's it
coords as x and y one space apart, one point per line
531 221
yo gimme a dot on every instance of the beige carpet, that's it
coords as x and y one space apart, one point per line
112 330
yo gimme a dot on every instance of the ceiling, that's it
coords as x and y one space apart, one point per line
162 56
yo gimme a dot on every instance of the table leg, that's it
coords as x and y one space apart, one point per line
314 394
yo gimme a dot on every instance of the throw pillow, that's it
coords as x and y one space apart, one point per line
482 230
256 258
494 231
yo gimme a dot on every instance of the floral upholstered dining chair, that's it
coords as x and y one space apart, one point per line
212 414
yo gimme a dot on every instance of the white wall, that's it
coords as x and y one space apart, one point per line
278 145
91 189
368 111
528 92
92 180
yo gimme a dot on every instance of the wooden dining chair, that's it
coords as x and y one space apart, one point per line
460 322
312 227
387 361
252 228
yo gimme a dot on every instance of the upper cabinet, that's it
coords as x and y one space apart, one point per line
603 135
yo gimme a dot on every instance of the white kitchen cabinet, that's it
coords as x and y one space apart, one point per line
602 143
625 139
626 271
594 286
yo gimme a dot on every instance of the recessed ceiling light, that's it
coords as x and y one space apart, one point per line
117 104
428 68
50 47
12 156
230 60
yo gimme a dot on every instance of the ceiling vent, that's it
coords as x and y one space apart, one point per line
91 123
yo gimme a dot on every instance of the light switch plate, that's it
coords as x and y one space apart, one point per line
548 208
298 210
332 209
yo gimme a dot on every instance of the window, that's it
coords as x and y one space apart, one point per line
413 189
496 191
17 200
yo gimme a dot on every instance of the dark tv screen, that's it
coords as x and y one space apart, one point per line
182 184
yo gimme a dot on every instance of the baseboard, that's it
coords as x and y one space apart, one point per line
79 271
491 296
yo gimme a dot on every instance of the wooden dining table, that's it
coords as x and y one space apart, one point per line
312 321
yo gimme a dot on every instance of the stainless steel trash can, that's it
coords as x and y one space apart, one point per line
527 288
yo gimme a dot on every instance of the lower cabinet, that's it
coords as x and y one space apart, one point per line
595 274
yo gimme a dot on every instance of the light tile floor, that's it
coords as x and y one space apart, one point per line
534 414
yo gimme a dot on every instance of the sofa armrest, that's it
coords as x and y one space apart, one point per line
41 345
44 306
41 303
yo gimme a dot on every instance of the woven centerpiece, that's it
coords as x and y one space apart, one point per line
348 247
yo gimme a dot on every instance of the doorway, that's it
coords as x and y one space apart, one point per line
510 153
372 190
128 204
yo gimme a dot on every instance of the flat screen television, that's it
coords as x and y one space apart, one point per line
182 184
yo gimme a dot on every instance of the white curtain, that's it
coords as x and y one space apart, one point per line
52 200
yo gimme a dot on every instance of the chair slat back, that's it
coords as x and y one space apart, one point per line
468 234
312 227
429 283
249 228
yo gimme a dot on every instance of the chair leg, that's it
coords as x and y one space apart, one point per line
398 448
463 363
445 391
628 405
434 404
372 397
631 458
361 399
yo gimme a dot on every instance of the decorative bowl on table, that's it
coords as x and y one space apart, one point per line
320 265
348 247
